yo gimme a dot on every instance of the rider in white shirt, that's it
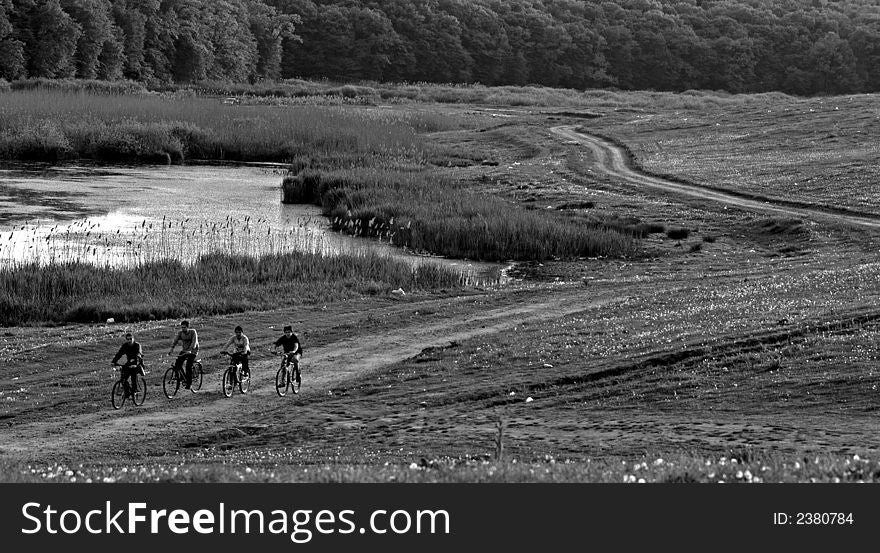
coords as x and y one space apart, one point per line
242 349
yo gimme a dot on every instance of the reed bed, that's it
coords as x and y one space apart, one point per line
150 241
50 124
160 269
216 283
429 213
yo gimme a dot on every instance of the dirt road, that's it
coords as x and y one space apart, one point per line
80 424
614 161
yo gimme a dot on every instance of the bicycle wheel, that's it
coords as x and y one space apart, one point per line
170 383
117 395
228 381
197 373
244 382
141 394
296 382
282 383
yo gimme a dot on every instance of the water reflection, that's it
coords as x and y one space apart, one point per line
129 215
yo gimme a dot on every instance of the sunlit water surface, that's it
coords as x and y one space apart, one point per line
123 216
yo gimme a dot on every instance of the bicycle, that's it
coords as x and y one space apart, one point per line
121 389
234 374
176 374
283 378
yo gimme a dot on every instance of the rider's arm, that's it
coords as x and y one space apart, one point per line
138 352
176 339
118 355
247 344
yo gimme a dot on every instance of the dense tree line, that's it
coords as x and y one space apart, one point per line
796 46
145 40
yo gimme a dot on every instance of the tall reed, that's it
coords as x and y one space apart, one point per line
216 283
59 124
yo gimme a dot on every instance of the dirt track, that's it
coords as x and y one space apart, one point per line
60 432
614 161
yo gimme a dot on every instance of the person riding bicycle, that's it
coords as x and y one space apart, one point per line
189 344
290 345
133 364
242 350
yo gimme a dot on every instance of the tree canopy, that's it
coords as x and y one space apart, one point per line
794 46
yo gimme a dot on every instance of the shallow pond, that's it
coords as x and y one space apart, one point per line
125 215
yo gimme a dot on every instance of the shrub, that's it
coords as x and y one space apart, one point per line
34 140
644 229
678 233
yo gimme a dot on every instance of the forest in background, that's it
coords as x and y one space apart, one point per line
794 46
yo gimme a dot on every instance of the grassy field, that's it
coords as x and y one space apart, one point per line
734 345
817 150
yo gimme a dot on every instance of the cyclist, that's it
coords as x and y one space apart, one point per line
242 350
133 364
292 349
189 344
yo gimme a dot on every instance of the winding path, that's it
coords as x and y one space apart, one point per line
614 161
60 433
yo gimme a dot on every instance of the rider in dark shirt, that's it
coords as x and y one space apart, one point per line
290 343
134 357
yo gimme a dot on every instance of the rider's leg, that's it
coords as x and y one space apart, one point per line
133 372
295 360
126 385
244 365
190 358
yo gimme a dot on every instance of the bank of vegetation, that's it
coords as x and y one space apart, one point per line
424 211
215 284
